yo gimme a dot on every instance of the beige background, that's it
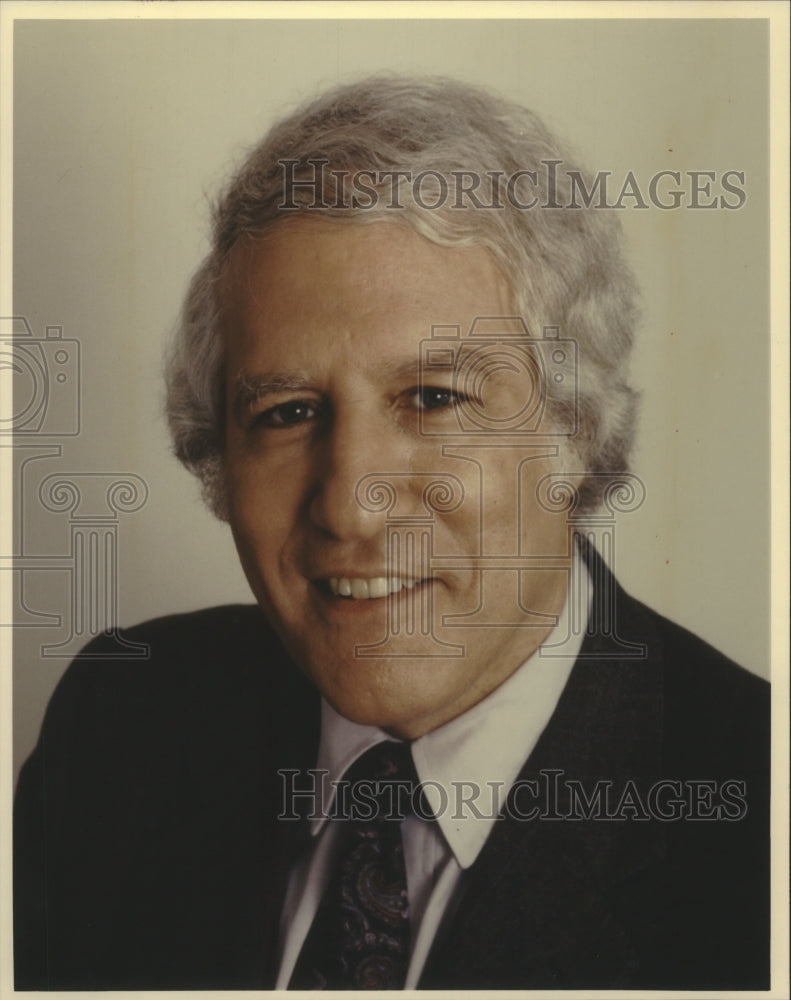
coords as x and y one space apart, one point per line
122 128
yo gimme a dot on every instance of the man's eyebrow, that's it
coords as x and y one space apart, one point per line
415 369
248 387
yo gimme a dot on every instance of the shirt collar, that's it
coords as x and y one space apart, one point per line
483 749
342 742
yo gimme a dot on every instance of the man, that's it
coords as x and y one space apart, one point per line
400 378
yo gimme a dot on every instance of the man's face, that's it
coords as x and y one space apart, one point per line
323 327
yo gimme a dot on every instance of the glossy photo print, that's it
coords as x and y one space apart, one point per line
388 446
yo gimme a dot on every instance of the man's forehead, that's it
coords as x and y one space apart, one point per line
380 253
290 318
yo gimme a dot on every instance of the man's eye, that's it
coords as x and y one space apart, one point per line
286 414
432 398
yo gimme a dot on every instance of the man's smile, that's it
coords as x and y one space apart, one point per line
365 588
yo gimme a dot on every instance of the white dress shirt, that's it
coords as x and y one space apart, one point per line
484 748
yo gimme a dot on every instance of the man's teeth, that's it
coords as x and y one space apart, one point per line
360 589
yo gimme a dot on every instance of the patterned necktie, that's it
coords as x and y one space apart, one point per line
359 938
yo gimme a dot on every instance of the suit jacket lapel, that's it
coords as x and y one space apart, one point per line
536 903
296 750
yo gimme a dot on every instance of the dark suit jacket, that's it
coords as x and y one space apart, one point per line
148 854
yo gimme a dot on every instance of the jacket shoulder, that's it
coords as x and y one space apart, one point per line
178 647
206 675
709 702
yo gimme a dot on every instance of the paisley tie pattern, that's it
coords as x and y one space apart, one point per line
360 936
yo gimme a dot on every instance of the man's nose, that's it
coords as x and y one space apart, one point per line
353 449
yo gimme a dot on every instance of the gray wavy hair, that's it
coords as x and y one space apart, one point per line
564 266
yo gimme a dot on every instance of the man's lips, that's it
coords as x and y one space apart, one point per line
366 588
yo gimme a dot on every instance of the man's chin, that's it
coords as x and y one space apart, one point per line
394 721
402 695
